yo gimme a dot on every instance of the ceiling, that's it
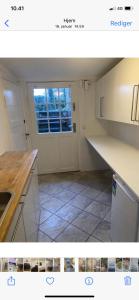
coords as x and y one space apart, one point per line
58 69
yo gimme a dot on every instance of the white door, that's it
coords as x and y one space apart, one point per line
13 103
53 126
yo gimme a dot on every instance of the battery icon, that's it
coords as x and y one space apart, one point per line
128 7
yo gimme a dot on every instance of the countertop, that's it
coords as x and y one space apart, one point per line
121 157
15 167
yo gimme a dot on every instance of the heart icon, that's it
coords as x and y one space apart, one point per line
50 280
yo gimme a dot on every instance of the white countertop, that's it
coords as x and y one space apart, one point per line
121 157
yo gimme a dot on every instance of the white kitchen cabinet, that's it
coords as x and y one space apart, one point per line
24 226
16 232
31 207
36 203
120 91
19 234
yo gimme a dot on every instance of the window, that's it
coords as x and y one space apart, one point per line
53 109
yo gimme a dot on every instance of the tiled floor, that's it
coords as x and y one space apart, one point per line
75 207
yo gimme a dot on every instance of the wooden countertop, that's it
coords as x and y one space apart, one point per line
15 167
121 157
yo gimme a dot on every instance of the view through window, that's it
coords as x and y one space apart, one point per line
53 109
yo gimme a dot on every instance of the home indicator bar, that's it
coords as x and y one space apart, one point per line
69 296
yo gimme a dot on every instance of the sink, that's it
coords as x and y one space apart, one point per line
4 199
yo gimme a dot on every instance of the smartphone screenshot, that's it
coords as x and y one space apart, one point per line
69 149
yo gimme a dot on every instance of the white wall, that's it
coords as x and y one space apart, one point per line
11 113
125 132
13 101
5 141
89 125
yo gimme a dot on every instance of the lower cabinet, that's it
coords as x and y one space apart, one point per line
29 212
20 234
16 231
24 226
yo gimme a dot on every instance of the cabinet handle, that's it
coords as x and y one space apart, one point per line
133 102
137 100
101 103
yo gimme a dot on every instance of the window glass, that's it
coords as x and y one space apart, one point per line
53 109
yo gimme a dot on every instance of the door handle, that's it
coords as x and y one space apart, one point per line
134 102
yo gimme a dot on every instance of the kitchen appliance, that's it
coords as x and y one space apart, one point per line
124 214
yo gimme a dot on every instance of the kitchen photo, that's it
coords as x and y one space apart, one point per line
69 150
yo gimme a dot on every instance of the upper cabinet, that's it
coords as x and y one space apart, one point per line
118 93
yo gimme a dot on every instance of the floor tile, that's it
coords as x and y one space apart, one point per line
80 198
81 201
84 181
76 187
43 237
43 197
53 226
102 232
65 196
91 192
98 209
65 184
105 198
52 204
72 234
52 188
92 239
44 214
86 222
68 212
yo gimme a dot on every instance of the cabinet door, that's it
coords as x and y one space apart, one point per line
19 234
36 204
30 209
121 92
28 214
16 231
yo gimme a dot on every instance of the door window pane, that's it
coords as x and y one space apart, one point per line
66 124
43 126
66 111
54 125
39 100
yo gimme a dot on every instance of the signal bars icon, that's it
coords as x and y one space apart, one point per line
112 8
127 8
